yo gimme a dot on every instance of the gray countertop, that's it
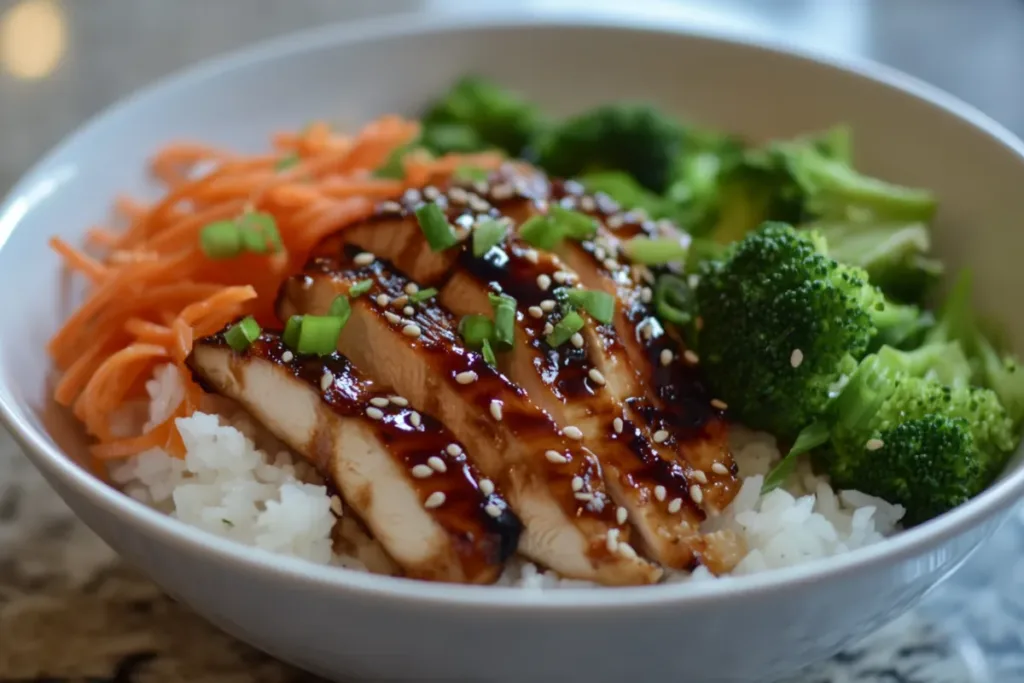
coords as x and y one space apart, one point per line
69 610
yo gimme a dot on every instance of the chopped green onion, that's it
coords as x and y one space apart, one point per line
469 174
504 319
319 334
360 288
475 330
654 252
435 227
423 295
259 230
488 352
673 300
487 234
573 224
220 240
600 305
565 328
541 232
242 334
291 332
287 161
340 308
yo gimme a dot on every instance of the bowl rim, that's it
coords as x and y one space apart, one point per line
165 529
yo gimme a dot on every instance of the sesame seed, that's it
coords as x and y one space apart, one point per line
577 483
478 204
431 192
587 203
287 356
612 540
646 295
568 202
719 468
796 358
660 436
696 494
412 288
626 550
596 377
548 305
412 195
531 255
660 492
700 477
375 413
573 433
422 471
535 311
493 510
486 486
336 505
326 380
458 195
576 340
874 444
453 449
610 264
437 464
719 403
666 356
364 258
496 409
621 515
400 401
543 281
617 425
503 191
400 301
559 276
409 311
549 328
691 357
615 222
383 300
414 419
675 506
412 330
434 500
390 207
600 254
467 377
379 401
392 318
556 457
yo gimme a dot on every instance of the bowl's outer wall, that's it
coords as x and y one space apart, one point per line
343 631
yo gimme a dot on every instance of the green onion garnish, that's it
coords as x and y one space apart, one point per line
423 295
488 234
566 327
360 288
488 352
242 334
504 319
540 232
340 308
258 231
287 161
319 334
654 252
573 224
600 305
220 240
435 227
291 331
475 330
674 301
469 174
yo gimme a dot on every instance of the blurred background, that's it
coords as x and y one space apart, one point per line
70 612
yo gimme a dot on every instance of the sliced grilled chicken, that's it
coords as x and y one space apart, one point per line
417 494
582 384
414 348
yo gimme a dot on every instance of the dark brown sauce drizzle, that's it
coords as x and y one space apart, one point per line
479 536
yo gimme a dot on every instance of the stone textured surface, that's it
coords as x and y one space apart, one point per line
70 611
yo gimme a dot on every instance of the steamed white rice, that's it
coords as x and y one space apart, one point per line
239 483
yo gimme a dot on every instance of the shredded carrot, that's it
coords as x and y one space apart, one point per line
154 291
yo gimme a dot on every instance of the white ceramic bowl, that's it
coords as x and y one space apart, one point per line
344 624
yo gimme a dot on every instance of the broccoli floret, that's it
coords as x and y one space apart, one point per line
781 325
694 191
927 465
633 138
477 114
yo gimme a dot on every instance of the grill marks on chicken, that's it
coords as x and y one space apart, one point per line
407 478
414 348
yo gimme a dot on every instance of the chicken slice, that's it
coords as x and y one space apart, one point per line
420 497
413 347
